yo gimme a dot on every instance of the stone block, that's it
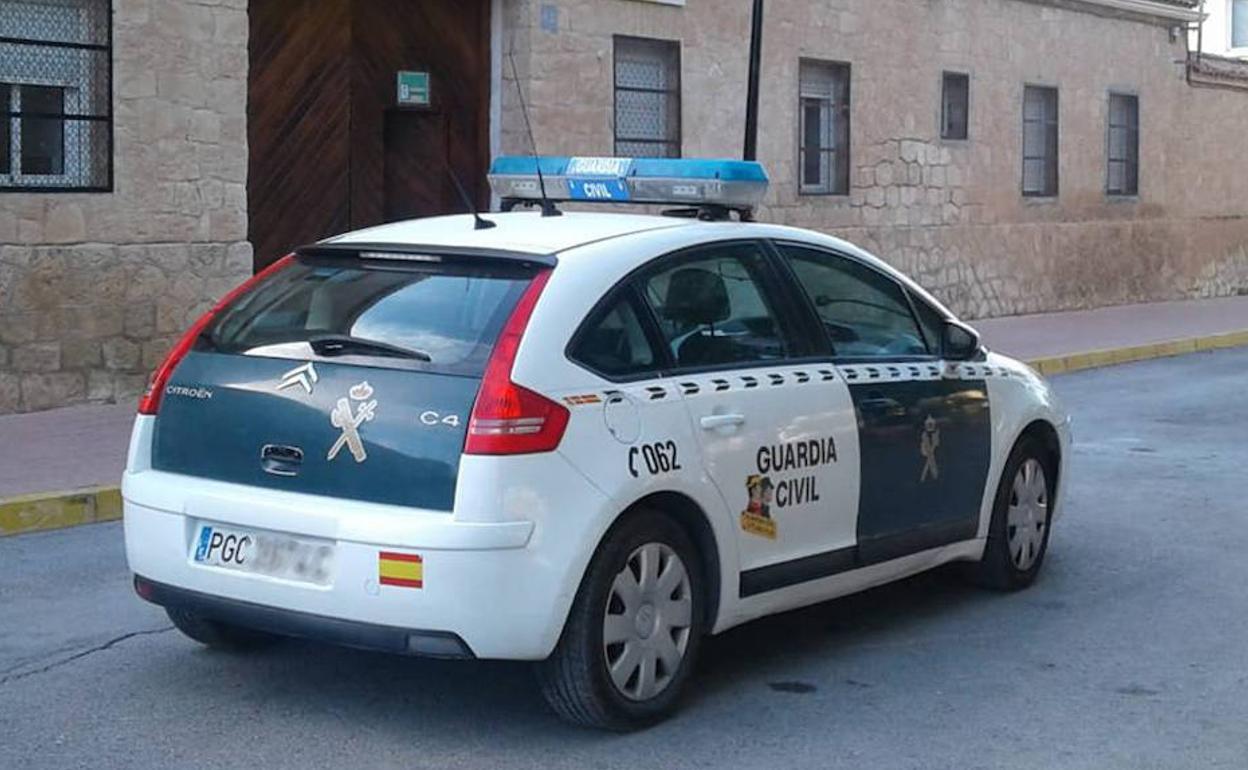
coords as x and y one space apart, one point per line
80 354
121 354
37 357
100 386
46 391
10 393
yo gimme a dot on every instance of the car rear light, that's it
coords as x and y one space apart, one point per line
506 418
150 403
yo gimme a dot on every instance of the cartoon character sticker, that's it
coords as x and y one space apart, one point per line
756 518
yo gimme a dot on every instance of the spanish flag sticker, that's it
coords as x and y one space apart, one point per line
406 570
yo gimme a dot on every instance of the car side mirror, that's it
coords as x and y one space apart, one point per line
960 343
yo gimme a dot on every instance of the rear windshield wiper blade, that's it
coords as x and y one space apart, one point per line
342 344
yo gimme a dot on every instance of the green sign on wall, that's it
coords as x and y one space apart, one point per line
413 89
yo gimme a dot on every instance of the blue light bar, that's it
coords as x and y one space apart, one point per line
731 184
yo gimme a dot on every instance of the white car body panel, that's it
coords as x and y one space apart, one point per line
502 569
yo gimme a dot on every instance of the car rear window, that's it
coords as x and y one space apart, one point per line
436 316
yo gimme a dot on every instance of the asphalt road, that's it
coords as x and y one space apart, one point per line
1130 652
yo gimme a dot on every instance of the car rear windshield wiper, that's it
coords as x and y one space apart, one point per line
342 344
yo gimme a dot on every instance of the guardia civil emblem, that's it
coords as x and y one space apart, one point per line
348 416
929 442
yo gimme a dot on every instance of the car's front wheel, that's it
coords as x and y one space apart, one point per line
1018 536
634 630
218 635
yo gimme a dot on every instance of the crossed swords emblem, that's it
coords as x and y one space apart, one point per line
349 421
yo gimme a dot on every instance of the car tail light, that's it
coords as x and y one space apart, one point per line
506 418
150 403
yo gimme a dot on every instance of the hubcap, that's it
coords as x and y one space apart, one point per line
1028 514
646 626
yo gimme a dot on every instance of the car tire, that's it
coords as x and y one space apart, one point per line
1018 536
613 667
218 635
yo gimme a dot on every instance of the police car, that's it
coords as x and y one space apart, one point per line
583 439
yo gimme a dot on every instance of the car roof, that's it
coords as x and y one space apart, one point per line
518 231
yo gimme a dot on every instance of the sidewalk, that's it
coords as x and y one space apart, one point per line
63 466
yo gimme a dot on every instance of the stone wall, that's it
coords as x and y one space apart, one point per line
95 287
951 213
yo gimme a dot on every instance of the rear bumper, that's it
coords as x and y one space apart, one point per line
502 588
364 636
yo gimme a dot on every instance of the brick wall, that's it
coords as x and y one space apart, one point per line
949 213
94 287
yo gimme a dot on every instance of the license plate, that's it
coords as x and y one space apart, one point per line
263 553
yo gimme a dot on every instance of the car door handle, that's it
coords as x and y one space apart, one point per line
716 421
880 404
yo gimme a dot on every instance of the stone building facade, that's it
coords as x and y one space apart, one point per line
94 286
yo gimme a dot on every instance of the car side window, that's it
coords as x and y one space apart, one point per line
931 322
713 310
865 312
614 342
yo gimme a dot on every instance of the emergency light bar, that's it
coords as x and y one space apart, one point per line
733 185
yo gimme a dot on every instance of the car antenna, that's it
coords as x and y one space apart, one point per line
479 222
548 208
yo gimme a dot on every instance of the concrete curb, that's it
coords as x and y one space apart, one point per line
1098 358
57 510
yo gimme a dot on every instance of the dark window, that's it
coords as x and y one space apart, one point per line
614 342
1040 150
336 308
712 308
647 98
824 115
955 101
865 312
6 123
55 95
43 129
931 322
1124 145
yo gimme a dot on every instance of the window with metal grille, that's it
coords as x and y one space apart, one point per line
56 95
823 107
1040 149
647 98
1239 23
1124 145
955 102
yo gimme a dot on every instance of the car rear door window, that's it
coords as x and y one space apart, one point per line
440 317
865 313
713 310
614 341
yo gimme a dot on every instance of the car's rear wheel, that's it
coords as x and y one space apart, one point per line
1018 537
634 630
218 635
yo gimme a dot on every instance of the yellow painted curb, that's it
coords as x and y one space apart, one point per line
1098 358
56 510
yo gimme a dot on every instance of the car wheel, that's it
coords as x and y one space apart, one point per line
218 635
633 634
1018 536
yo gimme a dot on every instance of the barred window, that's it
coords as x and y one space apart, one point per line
1124 145
823 93
55 95
1040 136
647 98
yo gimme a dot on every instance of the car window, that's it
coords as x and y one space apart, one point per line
865 312
444 317
931 322
712 308
614 342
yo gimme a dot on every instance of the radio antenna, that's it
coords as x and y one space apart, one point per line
548 208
